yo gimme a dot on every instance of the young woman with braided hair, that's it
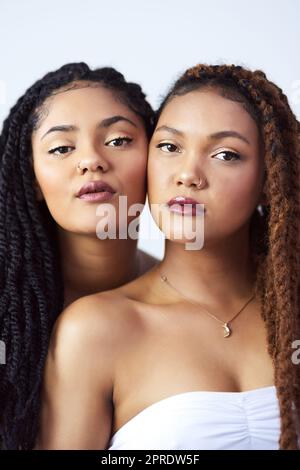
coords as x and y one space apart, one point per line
201 351
74 128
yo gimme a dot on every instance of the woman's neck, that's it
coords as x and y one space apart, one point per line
91 265
214 276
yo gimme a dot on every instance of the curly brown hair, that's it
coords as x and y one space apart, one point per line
275 230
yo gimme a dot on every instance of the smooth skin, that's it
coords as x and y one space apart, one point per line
86 124
115 353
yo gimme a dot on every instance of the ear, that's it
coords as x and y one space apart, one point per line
38 191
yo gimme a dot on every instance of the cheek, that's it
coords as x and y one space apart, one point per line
237 197
53 180
159 187
159 180
132 177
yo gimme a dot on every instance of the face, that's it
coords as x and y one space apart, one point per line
205 150
87 136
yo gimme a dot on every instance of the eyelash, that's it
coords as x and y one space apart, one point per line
166 144
227 152
60 148
128 140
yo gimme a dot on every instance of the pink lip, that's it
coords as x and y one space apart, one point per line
96 191
185 206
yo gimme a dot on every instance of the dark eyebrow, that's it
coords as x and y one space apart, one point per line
214 136
224 134
103 124
112 120
62 128
169 129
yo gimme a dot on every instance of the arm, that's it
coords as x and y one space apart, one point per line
77 408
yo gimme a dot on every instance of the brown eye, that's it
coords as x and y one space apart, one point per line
167 147
119 142
228 156
61 150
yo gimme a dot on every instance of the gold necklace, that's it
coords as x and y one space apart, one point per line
225 325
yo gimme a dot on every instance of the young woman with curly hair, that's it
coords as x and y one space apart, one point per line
197 353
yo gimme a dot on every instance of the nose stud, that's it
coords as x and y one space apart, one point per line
79 169
200 184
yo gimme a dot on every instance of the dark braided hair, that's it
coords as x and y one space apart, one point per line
31 285
275 241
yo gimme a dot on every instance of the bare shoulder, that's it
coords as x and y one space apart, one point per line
87 339
96 321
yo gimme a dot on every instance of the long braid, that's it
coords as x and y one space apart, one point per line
31 281
26 248
275 234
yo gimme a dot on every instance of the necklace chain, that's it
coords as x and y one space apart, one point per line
227 329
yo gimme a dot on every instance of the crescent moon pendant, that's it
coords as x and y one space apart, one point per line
227 330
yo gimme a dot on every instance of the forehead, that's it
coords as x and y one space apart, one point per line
83 104
207 111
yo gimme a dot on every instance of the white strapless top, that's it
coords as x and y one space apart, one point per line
205 420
